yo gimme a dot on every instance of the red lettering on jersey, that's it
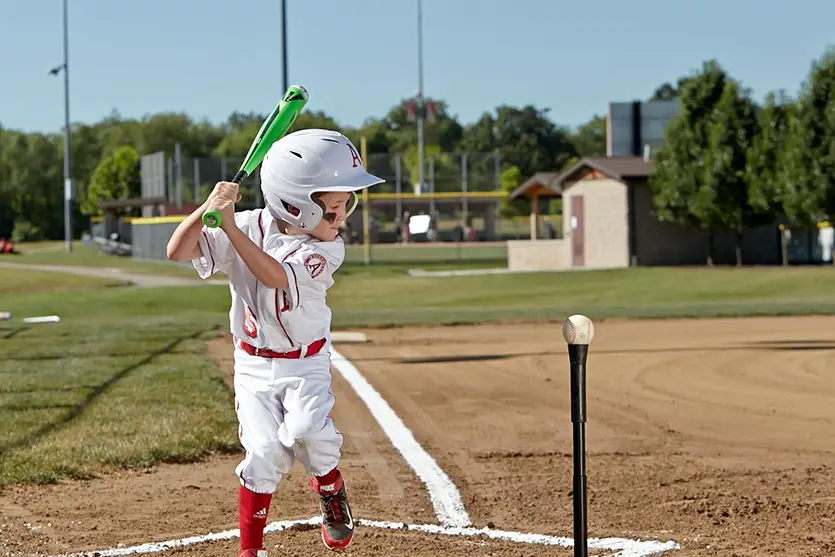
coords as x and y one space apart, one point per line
250 327
357 161
315 264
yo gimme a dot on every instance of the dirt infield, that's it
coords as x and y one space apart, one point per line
716 434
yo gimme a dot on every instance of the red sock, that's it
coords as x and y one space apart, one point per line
252 517
329 478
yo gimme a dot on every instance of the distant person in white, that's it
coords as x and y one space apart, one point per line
826 237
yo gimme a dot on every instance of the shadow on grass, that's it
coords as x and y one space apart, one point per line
28 407
40 358
97 391
14 332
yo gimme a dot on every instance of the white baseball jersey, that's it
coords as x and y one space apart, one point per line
278 319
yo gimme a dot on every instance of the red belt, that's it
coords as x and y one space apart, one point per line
312 349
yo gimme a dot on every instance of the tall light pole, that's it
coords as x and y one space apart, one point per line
420 108
68 189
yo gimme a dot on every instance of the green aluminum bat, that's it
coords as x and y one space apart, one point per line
276 125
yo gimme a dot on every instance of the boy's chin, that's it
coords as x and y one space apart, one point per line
327 235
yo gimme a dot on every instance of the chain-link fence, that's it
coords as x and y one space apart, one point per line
189 180
460 199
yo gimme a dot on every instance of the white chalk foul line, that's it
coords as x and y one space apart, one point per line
624 547
444 495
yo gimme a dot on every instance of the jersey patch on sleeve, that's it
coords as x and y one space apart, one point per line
315 264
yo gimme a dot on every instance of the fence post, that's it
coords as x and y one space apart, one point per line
492 214
178 166
169 187
197 192
431 185
464 205
398 177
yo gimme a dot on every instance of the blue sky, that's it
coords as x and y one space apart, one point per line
359 58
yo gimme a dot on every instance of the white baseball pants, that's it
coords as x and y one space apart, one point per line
283 408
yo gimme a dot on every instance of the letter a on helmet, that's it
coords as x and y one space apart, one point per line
307 162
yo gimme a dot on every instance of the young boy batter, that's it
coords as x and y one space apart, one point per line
280 262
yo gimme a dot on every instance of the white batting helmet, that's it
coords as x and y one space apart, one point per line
307 162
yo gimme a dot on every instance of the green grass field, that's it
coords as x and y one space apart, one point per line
16 282
470 255
124 379
377 299
52 253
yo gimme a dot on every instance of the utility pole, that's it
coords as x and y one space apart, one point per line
68 188
420 107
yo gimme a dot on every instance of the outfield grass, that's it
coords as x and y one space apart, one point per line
115 384
124 379
16 282
365 297
435 256
90 256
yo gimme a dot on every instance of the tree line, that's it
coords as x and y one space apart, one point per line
729 163
105 155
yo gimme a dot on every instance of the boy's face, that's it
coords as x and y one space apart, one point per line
336 211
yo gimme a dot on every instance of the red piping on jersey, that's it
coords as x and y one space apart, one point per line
209 247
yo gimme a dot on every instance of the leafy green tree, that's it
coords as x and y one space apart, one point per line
32 169
510 179
237 142
809 194
114 132
377 133
444 169
665 92
525 136
767 176
162 131
678 177
445 131
116 177
315 119
590 139
7 192
722 200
